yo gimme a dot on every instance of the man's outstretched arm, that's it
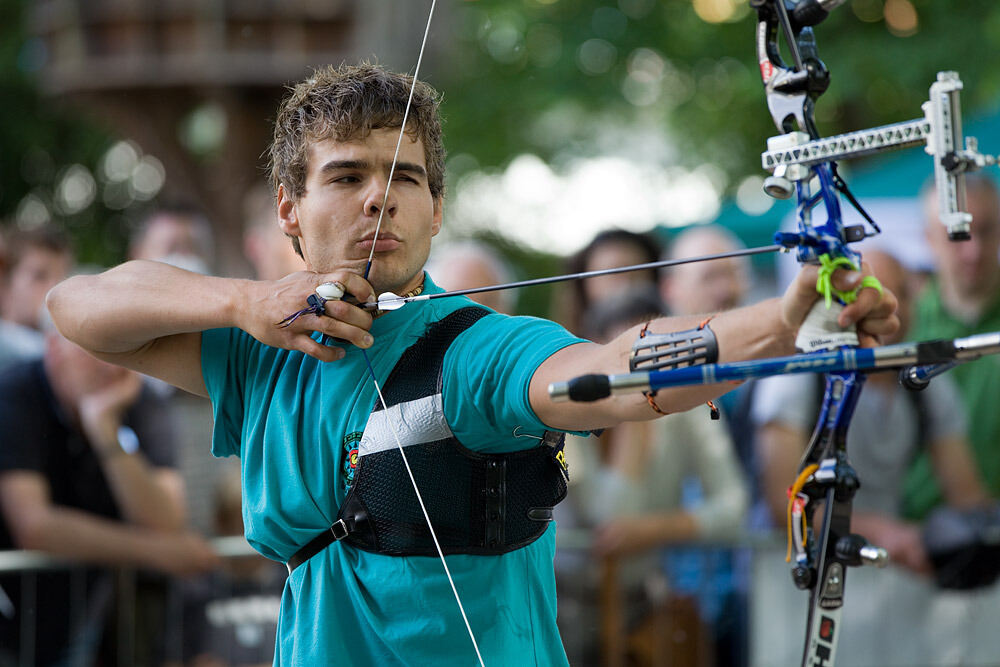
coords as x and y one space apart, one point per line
762 330
148 316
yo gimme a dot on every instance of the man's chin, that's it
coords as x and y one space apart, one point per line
394 284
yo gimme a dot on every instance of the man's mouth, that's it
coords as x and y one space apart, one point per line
385 242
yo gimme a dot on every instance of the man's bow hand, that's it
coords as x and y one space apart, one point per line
873 311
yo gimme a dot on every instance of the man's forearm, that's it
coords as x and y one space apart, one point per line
123 309
745 333
750 332
77 535
142 493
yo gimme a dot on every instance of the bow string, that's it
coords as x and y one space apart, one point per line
371 370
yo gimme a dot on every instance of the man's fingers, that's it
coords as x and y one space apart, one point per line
353 284
872 306
345 322
317 350
848 281
349 314
874 310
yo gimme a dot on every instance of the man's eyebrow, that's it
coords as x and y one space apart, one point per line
411 167
334 165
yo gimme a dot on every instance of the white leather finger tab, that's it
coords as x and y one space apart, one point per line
330 291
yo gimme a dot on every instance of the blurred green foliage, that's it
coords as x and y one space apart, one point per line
518 60
40 140
544 76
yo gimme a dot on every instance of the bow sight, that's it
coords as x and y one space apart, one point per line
791 93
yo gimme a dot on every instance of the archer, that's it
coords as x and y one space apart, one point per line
327 454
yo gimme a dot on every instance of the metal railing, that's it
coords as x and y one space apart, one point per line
128 617
891 618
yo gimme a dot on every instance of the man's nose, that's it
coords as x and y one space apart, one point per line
376 195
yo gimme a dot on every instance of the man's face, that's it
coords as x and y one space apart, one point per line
35 274
336 217
971 266
74 372
611 255
172 239
705 287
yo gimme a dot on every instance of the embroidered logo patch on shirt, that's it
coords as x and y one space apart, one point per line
350 445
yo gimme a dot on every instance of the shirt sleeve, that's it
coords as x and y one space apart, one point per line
487 374
787 399
946 414
224 354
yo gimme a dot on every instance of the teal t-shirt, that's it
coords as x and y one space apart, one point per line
295 422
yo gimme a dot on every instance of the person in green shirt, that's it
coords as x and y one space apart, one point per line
305 417
963 299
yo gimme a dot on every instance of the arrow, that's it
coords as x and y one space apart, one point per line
389 301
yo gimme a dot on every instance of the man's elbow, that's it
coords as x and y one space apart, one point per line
30 531
59 302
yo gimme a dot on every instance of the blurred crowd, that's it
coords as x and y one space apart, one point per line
106 469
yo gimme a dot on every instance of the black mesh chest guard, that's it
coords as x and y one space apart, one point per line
478 503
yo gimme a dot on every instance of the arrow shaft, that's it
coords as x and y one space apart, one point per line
583 275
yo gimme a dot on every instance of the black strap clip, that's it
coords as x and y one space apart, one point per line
335 533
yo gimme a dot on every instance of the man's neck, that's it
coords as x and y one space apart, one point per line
64 397
965 306
413 291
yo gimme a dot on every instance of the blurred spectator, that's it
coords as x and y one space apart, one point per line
269 251
632 488
230 616
608 250
889 428
717 576
179 235
182 236
963 299
470 264
705 287
34 261
85 473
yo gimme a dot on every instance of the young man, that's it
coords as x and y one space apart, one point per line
36 260
86 474
963 299
300 413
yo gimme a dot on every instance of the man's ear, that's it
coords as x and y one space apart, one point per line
288 215
438 215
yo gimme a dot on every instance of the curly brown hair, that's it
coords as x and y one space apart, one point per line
348 102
